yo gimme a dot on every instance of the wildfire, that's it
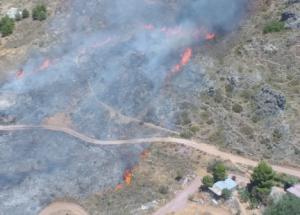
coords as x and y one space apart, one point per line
45 65
119 187
210 36
186 57
127 177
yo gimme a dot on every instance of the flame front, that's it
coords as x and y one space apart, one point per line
45 65
210 36
185 59
127 177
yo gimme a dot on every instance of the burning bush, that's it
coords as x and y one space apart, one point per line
127 177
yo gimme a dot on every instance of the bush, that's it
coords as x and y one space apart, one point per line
286 180
262 180
39 13
287 205
226 194
7 26
207 181
219 172
25 14
274 26
18 17
237 108
163 190
244 195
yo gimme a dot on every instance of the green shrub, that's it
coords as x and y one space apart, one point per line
163 190
237 108
262 180
18 17
25 14
274 26
39 13
187 134
219 172
285 180
207 181
194 129
244 195
287 205
7 26
226 194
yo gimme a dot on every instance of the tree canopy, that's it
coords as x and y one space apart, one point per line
219 172
7 26
262 180
207 181
39 12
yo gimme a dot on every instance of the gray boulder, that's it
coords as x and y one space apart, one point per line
269 102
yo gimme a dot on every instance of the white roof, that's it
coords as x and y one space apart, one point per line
219 186
12 12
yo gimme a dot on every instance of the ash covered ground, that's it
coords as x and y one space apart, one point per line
117 69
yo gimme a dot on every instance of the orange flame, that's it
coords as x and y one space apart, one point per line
186 57
127 177
119 187
45 64
210 36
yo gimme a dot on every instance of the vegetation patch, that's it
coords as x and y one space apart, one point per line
7 26
39 13
274 26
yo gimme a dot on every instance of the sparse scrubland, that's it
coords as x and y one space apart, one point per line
245 101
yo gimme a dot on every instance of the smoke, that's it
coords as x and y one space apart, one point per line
116 52
114 65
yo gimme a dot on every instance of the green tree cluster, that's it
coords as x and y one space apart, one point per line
219 172
7 26
39 12
262 180
207 181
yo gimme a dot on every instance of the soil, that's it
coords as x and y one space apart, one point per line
63 208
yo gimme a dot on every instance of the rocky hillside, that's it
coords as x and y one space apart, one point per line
253 107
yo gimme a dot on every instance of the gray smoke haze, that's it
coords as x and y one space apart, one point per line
109 64
117 52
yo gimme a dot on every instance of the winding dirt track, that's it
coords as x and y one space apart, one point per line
209 149
63 208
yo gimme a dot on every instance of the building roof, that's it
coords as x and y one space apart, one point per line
13 12
219 186
295 190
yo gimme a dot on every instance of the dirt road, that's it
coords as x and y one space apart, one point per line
63 208
209 149
180 201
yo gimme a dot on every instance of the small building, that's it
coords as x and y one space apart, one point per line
294 190
14 12
219 186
